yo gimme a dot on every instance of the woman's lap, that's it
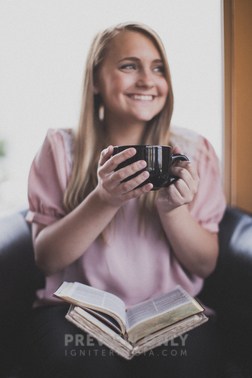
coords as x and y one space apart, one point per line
56 348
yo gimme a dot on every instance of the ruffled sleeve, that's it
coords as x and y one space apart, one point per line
48 179
209 204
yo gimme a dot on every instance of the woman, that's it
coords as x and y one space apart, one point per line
90 227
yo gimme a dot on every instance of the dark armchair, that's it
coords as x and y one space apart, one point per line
228 290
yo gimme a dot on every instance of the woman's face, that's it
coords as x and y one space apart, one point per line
131 80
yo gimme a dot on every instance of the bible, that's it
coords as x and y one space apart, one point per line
133 330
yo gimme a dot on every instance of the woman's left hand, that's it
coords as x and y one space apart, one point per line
183 190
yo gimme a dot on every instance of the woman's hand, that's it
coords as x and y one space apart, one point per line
198 254
183 190
110 187
77 230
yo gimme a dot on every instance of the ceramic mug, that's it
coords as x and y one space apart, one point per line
159 161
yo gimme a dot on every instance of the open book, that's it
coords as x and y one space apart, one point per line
137 329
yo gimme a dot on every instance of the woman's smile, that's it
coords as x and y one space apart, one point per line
141 97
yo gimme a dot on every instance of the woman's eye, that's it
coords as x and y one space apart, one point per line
128 67
159 69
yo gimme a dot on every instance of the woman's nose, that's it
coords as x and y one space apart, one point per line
145 79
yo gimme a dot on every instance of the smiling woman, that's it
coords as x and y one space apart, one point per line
98 225
132 85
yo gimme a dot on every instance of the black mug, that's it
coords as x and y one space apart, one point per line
159 161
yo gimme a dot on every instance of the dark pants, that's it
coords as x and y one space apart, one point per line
56 348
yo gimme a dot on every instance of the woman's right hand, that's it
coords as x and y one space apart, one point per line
62 242
110 187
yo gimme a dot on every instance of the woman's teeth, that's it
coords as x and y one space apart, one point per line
142 97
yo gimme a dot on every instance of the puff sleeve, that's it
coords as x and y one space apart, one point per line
48 179
209 204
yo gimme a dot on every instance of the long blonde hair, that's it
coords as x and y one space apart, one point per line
90 136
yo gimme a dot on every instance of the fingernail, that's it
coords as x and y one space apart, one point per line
149 186
142 163
145 174
131 151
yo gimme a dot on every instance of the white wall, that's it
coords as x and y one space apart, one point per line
43 47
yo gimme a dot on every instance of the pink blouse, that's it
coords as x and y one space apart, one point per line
133 266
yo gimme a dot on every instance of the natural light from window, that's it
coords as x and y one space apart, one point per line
43 49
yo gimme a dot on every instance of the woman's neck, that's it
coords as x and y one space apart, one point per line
130 134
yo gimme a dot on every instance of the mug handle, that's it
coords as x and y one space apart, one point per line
174 158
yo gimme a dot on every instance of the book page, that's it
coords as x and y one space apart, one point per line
157 306
166 334
87 296
100 331
107 319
